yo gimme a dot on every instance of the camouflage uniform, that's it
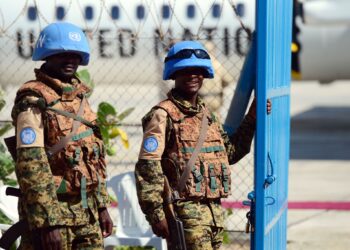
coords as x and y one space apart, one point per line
202 217
45 201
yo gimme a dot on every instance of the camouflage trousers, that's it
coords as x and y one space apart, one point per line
203 237
203 224
73 237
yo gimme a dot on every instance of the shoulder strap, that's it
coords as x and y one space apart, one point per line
71 115
190 163
64 141
173 111
39 88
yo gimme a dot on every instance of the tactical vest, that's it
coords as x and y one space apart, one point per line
211 175
78 167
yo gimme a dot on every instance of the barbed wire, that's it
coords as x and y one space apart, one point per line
234 7
136 27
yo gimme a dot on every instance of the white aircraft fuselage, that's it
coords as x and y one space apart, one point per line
128 40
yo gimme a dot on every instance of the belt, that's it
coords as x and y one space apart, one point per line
71 197
207 201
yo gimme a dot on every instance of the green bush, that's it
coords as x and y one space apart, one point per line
7 166
108 119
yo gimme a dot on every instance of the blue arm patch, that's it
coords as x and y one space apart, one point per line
150 144
27 136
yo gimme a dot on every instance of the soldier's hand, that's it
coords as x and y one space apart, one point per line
106 222
161 229
50 238
252 108
268 106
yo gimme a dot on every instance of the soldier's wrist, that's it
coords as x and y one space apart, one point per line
157 216
250 119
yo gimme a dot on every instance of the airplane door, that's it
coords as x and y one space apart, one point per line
274 23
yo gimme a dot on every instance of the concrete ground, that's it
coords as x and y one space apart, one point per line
320 165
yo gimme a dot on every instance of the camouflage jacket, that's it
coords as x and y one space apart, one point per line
148 170
40 204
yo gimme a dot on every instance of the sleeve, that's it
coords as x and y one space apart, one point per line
33 172
101 196
238 145
148 171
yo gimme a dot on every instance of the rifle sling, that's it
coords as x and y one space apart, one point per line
71 115
64 141
186 173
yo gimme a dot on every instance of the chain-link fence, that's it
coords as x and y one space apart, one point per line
128 41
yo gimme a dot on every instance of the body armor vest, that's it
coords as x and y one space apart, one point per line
78 167
211 177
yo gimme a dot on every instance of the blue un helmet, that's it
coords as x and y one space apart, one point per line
187 54
59 38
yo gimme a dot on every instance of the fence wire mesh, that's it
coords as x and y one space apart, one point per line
129 40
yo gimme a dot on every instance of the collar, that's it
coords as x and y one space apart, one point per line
185 106
67 91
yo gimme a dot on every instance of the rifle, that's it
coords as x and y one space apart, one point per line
17 229
176 229
11 146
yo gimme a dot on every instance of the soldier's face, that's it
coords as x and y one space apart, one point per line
63 66
189 80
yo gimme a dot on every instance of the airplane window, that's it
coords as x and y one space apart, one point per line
60 13
32 14
216 10
140 12
89 13
241 9
165 11
115 12
191 11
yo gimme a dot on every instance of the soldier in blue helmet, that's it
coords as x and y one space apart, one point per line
60 164
185 142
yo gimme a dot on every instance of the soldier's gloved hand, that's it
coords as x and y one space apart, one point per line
161 229
50 238
106 222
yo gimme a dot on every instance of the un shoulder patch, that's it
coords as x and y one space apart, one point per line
27 135
150 144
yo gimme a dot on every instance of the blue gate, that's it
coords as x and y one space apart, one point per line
273 25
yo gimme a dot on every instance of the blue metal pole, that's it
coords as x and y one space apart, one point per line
261 135
243 91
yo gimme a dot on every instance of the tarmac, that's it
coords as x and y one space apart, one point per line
319 168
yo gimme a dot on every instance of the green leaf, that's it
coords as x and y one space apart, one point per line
111 150
101 120
10 182
2 103
226 238
105 134
4 219
104 109
85 77
125 113
5 128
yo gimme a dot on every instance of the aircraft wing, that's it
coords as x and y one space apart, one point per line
326 12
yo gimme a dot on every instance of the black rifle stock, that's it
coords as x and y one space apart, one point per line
17 229
176 229
11 146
